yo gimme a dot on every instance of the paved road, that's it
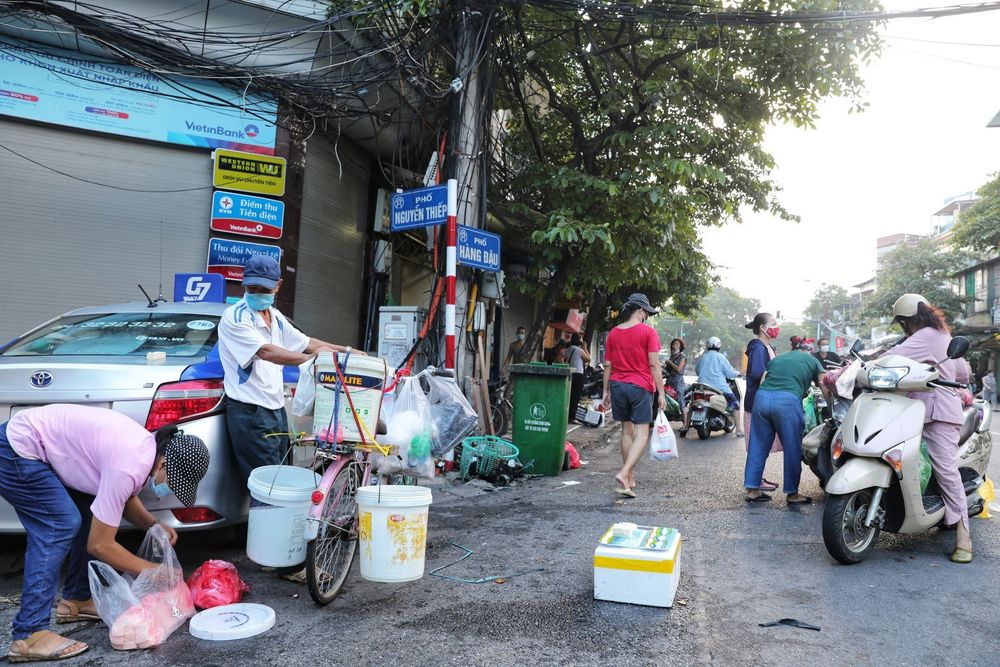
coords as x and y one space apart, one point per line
741 566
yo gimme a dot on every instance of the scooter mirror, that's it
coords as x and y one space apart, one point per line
958 346
857 347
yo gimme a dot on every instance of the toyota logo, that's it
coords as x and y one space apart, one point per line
41 379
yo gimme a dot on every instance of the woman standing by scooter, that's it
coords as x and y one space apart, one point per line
673 370
760 351
928 336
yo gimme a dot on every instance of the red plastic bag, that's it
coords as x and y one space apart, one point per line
216 583
574 457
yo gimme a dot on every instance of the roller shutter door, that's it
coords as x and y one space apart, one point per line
68 244
330 275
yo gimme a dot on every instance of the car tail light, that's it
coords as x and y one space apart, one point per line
175 401
195 515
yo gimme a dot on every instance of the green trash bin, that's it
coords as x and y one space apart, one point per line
541 403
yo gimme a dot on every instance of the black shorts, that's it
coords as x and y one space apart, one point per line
631 403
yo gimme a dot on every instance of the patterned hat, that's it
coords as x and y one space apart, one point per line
187 460
639 299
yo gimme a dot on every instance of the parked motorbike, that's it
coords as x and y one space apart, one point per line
709 411
593 381
876 453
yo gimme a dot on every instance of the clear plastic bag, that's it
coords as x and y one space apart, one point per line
410 429
305 391
144 611
452 413
216 583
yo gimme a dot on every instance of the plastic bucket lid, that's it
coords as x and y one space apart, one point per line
388 495
283 483
232 621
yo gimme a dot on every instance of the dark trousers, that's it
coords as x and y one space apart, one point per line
250 433
57 526
575 389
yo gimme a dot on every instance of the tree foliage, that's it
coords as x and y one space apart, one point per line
828 304
723 313
978 228
627 136
923 268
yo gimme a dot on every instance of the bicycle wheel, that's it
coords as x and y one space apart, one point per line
500 420
329 556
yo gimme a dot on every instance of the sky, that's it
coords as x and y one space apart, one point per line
856 177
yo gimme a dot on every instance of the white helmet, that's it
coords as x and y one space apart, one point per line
906 305
714 343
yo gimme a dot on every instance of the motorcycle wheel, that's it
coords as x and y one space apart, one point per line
844 532
703 432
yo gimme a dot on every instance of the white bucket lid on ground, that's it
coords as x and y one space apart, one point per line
391 495
232 621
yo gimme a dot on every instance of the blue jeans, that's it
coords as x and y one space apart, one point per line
775 412
57 526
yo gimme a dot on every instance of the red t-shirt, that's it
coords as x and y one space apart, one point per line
628 353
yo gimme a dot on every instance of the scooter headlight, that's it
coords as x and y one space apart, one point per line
885 378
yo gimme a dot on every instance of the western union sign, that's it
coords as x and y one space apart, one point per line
249 172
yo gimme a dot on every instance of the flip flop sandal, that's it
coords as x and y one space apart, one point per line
963 556
76 612
806 500
20 650
762 498
296 577
767 486
628 493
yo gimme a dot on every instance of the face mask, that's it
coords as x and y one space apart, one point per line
259 301
772 332
824 348
520 336
159 490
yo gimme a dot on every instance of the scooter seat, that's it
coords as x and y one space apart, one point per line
970 422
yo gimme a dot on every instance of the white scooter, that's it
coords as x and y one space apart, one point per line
877 482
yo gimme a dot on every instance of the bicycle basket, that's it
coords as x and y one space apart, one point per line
482 454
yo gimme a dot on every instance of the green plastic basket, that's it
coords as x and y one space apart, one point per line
486 452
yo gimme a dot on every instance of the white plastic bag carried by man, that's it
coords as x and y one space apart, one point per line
662 441
143 612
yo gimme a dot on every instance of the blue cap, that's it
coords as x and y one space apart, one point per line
262 270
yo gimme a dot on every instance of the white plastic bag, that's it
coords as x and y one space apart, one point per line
144 611
662 441
305 391
845 383
410 429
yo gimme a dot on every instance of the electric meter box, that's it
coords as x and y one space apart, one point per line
398 328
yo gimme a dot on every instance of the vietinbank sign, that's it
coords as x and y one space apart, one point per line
247 215
64 88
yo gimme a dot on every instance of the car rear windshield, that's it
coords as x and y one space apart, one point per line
121 335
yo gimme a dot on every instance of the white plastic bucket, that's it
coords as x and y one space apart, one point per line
393 531
365 378
280 497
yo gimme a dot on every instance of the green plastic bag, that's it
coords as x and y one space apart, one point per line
673 410
809 406
925 466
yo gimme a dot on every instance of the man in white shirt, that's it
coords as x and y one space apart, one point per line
255 342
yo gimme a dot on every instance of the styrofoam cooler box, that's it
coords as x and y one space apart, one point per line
642 567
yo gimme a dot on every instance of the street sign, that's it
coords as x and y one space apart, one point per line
419 208
199 288
248 172
247 215
478 249
227 257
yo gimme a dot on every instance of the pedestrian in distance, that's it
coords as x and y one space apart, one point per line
577 358
760 351
632 374
674 368
989 393
825 355
71 472
255 342
928 337
714 370
777 409
515 347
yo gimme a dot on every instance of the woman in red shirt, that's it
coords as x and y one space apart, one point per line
632 374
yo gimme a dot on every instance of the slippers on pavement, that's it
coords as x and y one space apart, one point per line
762 498
805 501
628 493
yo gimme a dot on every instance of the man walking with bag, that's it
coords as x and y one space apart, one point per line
632 374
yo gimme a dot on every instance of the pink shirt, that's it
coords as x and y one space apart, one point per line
92 450
930 345
627 350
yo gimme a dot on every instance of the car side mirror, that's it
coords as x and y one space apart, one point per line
958 346
856 347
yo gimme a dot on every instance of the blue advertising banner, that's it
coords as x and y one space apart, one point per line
248 215
419 208
478 249
227 257
65 88
199 288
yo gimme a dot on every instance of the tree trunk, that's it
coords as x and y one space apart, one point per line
596 313
554 290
